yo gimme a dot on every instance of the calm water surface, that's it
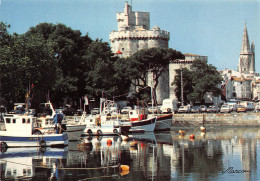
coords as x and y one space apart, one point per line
220 154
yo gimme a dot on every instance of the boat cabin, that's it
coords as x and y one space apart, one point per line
19 124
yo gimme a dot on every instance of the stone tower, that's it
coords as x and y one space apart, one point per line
134 33
247 55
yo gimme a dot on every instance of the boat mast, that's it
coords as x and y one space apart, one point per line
182 103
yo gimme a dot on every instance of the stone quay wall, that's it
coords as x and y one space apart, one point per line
229 119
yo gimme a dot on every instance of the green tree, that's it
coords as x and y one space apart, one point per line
187 82
25 60
201 78
154 60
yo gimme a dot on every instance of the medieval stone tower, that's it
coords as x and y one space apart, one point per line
134 34
247 55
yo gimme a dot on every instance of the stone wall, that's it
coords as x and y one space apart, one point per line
233 119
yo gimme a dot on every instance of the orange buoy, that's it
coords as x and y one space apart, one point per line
109 142
181 136
124 169
182 132
202 128
192 136
202 134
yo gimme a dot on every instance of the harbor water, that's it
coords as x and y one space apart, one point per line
219 154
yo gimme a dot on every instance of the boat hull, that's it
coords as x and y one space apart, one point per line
163 123
102 131
74 131
50 140
147 125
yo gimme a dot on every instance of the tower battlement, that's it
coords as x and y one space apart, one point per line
142 34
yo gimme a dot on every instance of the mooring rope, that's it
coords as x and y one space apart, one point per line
60 168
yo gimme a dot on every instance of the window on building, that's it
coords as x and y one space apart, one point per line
8 120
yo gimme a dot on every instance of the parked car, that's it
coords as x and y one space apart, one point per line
232 105
225 108
241 108
195 109
126 110
257 107
184 109
250 106
203 108
154 109
213 109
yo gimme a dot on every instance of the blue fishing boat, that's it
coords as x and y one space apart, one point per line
19 130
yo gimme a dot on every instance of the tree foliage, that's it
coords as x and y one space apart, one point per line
197 81
58 60
153 60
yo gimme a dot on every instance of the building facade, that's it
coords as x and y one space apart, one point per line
243 84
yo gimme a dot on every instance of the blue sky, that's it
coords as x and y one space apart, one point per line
213 28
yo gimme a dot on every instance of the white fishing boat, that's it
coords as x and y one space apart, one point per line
46 124
103 123
19 131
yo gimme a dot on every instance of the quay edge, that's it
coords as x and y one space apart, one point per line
228 119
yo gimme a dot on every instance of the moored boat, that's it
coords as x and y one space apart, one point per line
163 123
101 125
139 121
46 124
19 131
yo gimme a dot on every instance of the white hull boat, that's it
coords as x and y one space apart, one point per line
163 123
19 131
101 126
146 125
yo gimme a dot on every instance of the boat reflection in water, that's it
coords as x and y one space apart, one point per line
26 163
213 155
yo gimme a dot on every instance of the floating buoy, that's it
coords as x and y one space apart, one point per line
192 136
109 142
202 128
202 134
124 170
181 131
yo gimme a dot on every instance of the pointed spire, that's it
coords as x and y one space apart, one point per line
245 47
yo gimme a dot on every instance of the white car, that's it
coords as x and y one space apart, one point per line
225 108
126 110
184 109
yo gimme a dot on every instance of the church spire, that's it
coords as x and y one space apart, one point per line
245 47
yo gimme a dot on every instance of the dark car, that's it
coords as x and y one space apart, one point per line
195 109
71 112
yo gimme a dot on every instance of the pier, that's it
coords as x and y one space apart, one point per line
228 119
